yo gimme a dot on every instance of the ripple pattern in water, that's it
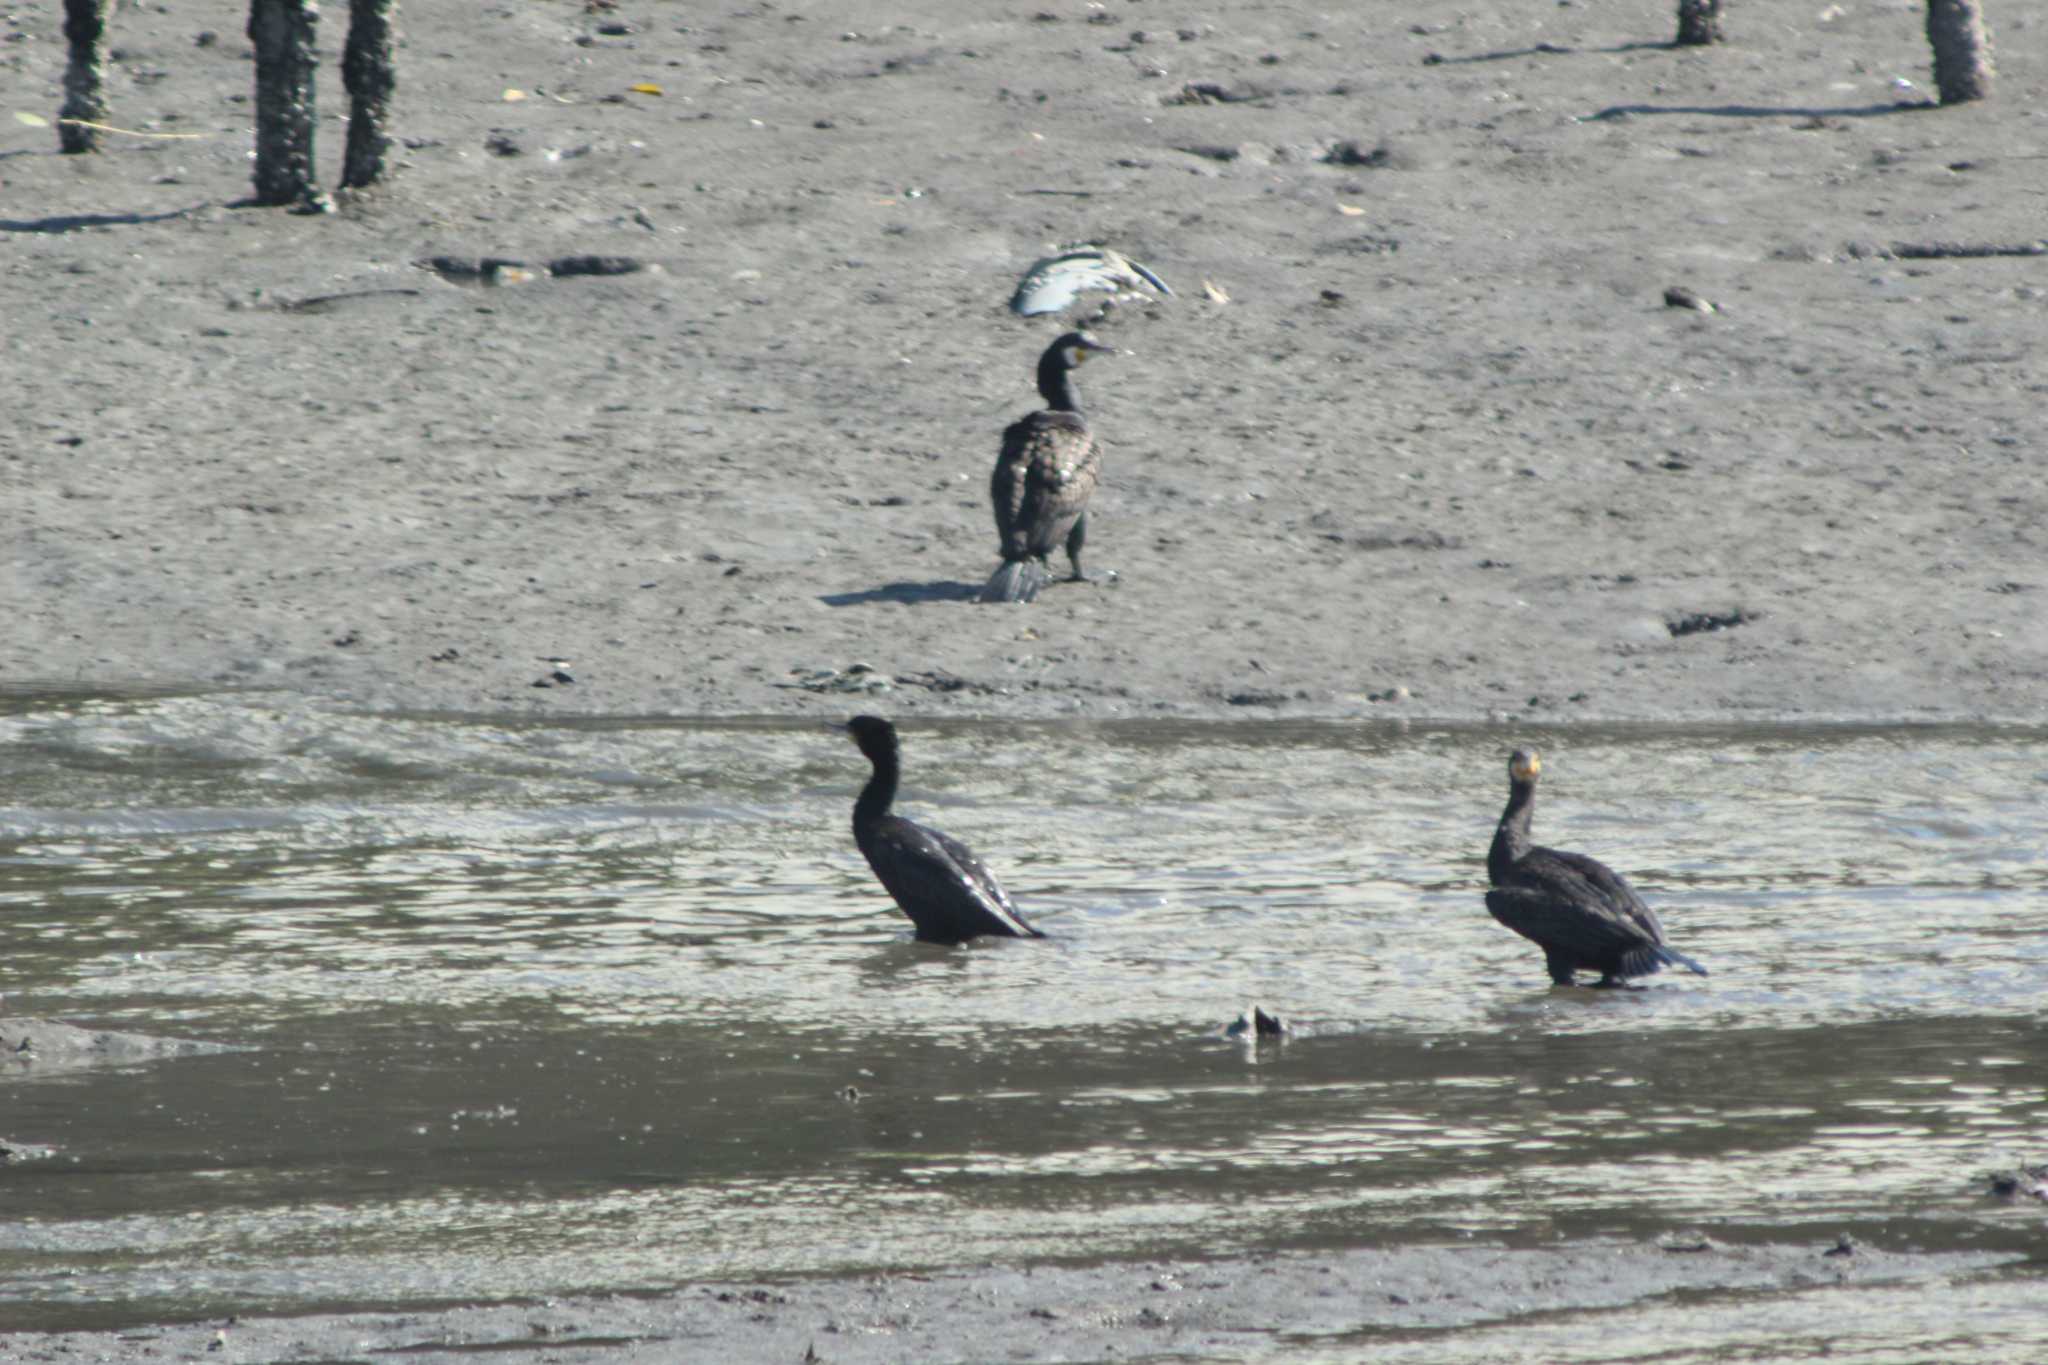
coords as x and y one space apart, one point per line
526 1009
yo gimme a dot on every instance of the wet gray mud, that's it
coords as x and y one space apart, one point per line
606 1020
1599 1301
1444 451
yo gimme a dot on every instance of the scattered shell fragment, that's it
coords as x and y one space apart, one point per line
513 96
1054 283
1215 292
1350 210
645 88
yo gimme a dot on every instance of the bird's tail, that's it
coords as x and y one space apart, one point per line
1018 580
1673 957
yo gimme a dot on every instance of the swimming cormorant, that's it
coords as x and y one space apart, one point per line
1583 914
937 881
1045 476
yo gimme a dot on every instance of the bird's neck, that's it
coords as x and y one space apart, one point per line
1056 383
1511 840
879 794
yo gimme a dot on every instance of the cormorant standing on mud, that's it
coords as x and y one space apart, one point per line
1045 476
940 884
1583 914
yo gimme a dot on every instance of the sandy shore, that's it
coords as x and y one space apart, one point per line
1444 436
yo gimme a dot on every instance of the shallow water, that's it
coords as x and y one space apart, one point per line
524 1009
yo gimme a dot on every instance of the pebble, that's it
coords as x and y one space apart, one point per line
1678 296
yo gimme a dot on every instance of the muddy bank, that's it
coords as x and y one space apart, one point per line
1220 1310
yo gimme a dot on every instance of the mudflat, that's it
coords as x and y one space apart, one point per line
1347 1306
1417 435
1445 451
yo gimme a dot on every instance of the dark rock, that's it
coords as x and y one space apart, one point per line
564 266
1699 622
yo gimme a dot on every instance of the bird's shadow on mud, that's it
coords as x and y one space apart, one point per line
1696 110
1762 110
1552 50
74 222
911 594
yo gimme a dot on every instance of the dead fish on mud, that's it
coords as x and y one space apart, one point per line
1055 282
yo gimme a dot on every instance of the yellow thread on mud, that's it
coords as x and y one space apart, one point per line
127 132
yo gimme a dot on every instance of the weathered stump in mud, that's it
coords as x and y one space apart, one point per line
1699 23
282 33
85 22
367 73
1962 50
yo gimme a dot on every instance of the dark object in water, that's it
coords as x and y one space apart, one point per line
1255 1023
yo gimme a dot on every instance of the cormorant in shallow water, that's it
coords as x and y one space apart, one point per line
1583 914
940 884
1045 476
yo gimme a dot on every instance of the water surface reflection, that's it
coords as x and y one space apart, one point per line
526 1009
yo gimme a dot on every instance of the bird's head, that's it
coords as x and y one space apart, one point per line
1073 349
1524 766
874 735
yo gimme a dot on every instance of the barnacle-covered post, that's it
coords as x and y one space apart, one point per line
85 21
1962 50
282 33
367 73
1699 23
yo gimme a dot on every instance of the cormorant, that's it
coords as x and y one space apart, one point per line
936 879
1583 914
1045 476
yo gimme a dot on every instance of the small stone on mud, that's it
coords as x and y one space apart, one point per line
563 267
1352 153
1699 622
1678 296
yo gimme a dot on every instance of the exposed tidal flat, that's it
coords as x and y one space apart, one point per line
432 926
